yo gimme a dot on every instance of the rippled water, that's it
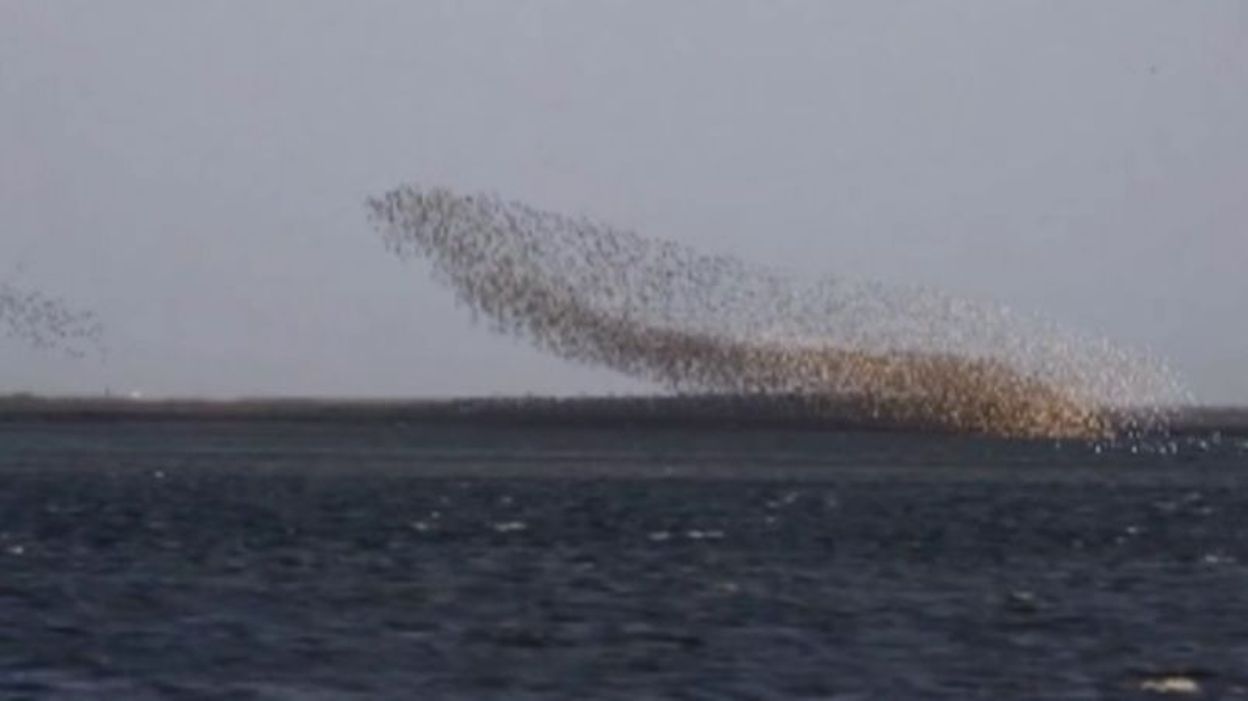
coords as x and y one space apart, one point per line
339 561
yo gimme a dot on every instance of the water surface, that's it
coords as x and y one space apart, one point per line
339 560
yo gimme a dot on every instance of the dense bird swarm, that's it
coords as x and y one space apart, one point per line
47 323
703 323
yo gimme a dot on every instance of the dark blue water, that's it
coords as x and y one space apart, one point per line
340 561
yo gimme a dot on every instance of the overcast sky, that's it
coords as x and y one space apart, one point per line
195 171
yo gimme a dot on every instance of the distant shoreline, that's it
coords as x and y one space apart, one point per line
697 411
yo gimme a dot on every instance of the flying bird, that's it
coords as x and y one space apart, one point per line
697 322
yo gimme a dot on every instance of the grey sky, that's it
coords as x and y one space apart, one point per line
195 172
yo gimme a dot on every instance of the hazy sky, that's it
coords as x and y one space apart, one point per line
195 171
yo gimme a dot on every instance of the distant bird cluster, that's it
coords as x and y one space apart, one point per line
701 323
47 323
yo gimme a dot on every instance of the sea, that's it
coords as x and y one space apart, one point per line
300 560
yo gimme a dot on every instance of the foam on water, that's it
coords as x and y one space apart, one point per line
694 322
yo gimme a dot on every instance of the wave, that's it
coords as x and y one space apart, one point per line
699 323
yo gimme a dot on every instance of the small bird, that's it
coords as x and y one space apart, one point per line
693 322
47 323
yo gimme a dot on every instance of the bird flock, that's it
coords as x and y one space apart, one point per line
699 323
47 323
